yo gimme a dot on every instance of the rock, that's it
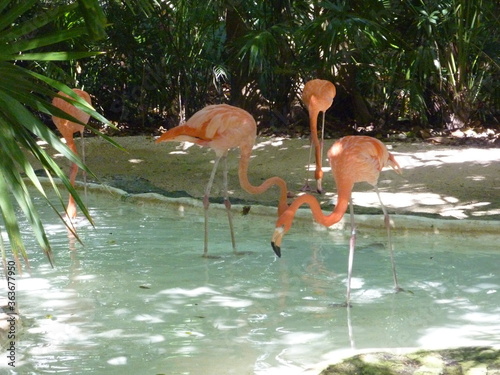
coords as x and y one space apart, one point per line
6 328
463 361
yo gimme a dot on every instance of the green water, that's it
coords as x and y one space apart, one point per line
138 298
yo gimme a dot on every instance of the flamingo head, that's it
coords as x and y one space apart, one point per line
283 225
276 240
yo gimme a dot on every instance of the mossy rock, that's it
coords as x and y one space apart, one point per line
5 323
461 361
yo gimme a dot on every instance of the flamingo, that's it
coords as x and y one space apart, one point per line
67 128
223 127
352 159
317 96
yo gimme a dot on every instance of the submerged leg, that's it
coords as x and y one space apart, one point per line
387 222
84 173
206 203
71 208
73 171
349 329
352 244
227 203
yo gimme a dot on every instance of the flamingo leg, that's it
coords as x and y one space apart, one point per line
306 186
227 203
84 173
206 204
319 162
314 144
71 209
387 222
352 245
318 155
350 330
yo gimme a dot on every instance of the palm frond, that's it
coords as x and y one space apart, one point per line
23 92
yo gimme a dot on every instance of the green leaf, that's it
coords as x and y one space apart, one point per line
19 9
95 20
23 29
46 40
49 56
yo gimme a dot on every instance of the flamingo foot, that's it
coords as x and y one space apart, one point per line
306 187
207 256
237 253
398 289
72 220
341 305
319 186
242 253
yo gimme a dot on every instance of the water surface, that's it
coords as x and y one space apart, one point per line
138 298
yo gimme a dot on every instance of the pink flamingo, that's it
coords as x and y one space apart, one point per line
317 96
67 128
352 159
223 127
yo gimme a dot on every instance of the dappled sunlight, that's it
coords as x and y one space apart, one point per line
492 212
476 178
438 157
410 193
140 289
440 337
177 293
273 142
151 319
227 301
312 168
181 148
117 361
460 211
470 323
445 206
398 200
418 200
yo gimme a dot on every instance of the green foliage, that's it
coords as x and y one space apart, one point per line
265 58
167 63
436 63
444 60
23 92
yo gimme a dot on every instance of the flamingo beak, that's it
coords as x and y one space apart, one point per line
277 249
276 240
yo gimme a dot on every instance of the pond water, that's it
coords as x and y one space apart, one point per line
138 298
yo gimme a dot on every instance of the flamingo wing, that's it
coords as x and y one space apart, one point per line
220 127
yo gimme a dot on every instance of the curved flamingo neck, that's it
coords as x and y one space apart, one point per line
318 215
344 195
245 183
313 124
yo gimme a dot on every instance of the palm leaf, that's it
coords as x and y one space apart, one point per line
23 91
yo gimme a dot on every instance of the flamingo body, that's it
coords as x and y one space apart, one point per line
220 127
353 159
223 127
359 159
67 129
318 95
